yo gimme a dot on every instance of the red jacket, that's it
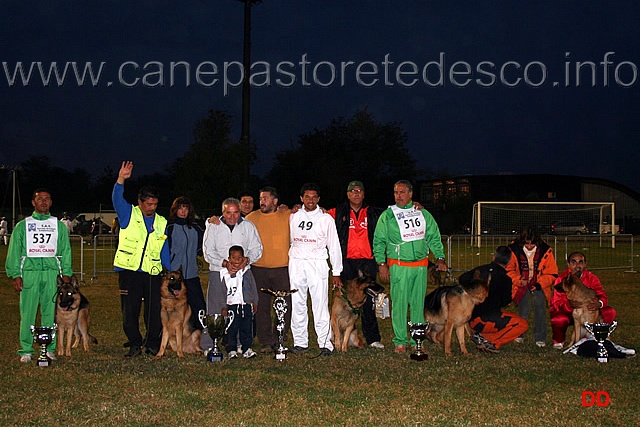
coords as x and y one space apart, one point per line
560 303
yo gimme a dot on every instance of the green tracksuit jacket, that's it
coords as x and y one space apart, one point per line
39 279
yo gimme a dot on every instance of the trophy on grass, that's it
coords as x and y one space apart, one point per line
280 307
601 332
43 336
216 325
418 333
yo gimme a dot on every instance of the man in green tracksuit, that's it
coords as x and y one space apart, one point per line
401 243
39 250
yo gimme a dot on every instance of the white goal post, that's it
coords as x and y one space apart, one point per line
555 218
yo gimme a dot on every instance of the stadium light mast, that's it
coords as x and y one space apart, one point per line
245 135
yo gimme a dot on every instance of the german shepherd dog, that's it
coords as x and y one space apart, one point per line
72 317
450 307
175 314
579 297
345 310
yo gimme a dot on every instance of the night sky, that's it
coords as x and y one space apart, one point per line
496 97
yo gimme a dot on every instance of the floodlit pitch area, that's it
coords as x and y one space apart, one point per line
522 385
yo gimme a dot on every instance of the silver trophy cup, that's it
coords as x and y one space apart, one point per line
419 333
280 307
216 325
43 336
601 332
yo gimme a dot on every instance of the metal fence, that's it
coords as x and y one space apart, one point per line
603 251
94 257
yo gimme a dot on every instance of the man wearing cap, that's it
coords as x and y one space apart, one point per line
355 223
402 240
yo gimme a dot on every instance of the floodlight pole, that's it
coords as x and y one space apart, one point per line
245 136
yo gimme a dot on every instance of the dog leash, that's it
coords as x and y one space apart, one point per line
356 311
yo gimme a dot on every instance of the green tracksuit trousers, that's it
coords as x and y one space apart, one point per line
40 288
408 289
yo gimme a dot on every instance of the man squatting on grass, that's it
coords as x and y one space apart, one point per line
401 243
141 255
39 250
561 311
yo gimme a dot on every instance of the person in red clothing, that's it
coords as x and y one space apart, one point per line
561 310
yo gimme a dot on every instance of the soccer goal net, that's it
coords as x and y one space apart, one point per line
558 218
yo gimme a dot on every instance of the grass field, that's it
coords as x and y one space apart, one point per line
521 386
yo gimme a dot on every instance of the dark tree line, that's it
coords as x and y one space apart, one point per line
356 148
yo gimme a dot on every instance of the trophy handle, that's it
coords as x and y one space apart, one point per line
202 318
613 326
231 316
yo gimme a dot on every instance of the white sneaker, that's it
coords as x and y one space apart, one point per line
558 345
249 353
519 340
51 355
377 344
233 355
540 343
25 358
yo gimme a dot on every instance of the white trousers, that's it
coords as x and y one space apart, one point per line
310 275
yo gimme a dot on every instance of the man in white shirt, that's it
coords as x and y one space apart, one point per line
313 239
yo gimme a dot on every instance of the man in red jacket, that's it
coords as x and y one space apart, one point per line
560 309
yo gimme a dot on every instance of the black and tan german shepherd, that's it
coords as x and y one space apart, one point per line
345 310
450 307
175 314
72 317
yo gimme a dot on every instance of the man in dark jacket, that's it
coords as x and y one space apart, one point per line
494 327
355 223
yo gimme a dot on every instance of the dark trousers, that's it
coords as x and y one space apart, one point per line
369 321
196 301
278 280
134 287
242 325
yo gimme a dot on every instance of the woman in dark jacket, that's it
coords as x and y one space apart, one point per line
185 244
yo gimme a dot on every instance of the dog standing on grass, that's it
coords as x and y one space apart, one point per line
450 307
72 317
580 298
175 314
345 310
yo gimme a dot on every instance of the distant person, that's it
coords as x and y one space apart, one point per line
246 203
271 271
561 310
4 230
402 240
115 227
314 239
532 270
66 220
139 260
494 327
185 245
39 251
230 231
355 222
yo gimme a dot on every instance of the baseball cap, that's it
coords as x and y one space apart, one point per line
353 184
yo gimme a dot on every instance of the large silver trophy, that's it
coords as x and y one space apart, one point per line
280 307
43 336
418 332
601 332
216 325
